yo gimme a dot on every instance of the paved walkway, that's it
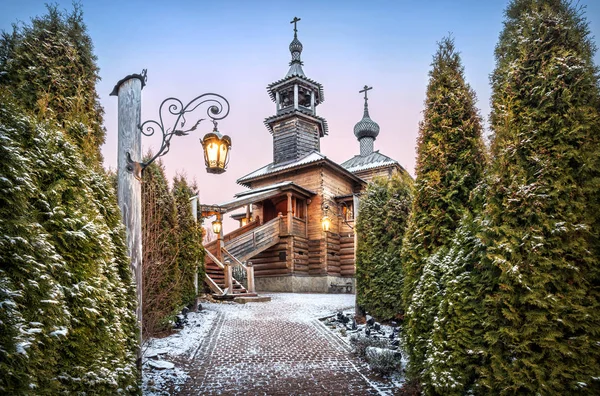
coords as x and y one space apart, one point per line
277 348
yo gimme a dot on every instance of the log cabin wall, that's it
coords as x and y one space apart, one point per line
273 262
386 171
335 184
347 254
293 139
307 250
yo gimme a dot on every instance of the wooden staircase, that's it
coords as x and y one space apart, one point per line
237 247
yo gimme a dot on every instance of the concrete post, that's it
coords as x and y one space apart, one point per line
194 201
358 311
250 276
129 192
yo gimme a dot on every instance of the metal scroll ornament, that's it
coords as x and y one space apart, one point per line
173 121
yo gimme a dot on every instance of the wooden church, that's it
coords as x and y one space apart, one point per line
297 232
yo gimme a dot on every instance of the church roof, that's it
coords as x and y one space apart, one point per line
255 195
313 157
284 114
374 160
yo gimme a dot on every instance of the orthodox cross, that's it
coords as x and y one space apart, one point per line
294 21
366 88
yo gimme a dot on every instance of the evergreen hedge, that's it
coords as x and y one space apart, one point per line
67 322
450 163
542 206
382 218
171 246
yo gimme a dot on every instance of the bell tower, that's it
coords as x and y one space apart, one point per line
296 128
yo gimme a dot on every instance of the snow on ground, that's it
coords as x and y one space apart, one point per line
295 307
159 372
179 348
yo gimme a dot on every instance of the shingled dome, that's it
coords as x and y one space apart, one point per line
295 45
366 127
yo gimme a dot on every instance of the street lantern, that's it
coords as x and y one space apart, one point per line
326 223
215 146
216 151
172 121
216 226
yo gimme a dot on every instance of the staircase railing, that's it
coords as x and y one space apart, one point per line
248 267
238 248
259 239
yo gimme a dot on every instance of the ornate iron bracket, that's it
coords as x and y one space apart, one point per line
327 203
218 109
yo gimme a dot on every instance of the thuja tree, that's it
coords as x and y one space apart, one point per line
190 259
542 206
450 161
160 271
50 69
67 323
456 345
380 226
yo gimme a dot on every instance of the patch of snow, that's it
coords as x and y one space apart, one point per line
62 331
160 364
162 382
185 342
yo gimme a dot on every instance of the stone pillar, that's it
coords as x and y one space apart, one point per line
194 201
129 190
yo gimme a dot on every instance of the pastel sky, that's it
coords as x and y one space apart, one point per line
237 48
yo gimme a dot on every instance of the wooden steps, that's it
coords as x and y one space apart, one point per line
241 245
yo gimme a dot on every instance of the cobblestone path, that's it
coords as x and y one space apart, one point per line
277 348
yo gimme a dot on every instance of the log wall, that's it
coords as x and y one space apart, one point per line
270 262
347 254
308 250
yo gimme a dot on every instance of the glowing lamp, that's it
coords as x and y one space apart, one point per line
326 223
216 226
216 151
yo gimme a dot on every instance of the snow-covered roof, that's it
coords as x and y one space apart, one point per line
374 160
254 195
313 156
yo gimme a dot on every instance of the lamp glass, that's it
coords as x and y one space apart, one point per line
223 151
326 223
216 152
212 154
216 226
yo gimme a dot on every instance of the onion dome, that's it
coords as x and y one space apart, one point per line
366 127
295 47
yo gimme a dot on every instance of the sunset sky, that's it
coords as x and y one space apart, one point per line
237 48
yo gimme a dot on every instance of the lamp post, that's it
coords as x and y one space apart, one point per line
130 167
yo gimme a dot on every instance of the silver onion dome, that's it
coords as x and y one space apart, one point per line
366 127
295 46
